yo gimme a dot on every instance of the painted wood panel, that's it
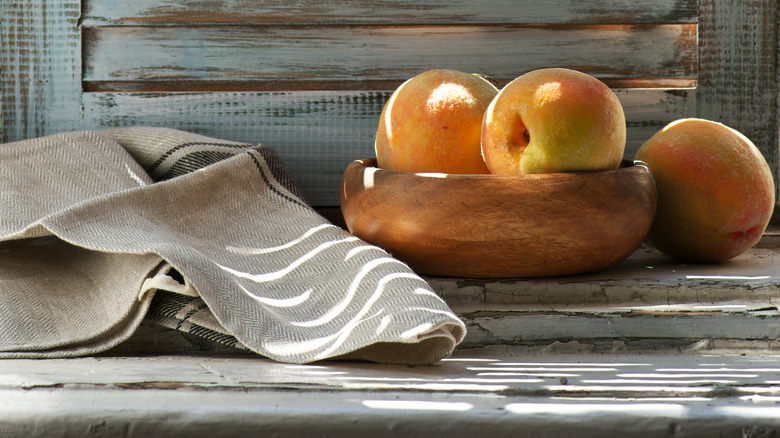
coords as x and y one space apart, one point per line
735 75
40 67
318 133
141 12
739 79
365 55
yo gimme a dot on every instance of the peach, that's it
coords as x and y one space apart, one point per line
553 120
432 122
715 191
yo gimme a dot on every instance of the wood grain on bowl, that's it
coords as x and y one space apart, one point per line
500 226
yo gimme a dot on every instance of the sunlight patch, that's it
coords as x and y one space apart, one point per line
417 405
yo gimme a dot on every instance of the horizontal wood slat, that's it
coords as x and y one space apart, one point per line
172 85
319 133
141 12
358 53
294 74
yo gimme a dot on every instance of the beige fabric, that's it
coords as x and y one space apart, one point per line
86 232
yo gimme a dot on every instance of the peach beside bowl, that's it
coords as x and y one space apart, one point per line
495 226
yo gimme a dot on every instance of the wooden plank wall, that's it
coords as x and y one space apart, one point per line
310 81
40 67
309 78
739 75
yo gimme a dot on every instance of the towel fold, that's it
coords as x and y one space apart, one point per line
94 224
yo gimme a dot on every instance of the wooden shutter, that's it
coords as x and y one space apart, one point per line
309 78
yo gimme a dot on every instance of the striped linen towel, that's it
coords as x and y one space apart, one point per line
96 226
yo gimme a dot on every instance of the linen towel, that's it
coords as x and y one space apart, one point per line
94 224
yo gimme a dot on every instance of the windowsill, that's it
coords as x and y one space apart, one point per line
648 348
491 391
647 301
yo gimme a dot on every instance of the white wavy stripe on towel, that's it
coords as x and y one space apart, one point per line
306 346
429 292
426 309
354 251
414 332
335 340
280 302
409 336
353 288
346 331
270 306
340 336
269 276
290 244
383 324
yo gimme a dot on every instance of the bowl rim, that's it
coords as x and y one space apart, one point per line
626 166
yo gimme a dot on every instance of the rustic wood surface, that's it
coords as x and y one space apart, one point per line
56 75
40 77
295 57
310 79
482 392
739 78
380 12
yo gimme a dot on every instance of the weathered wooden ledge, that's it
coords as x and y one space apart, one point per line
647 301
497 391
649 348
645 280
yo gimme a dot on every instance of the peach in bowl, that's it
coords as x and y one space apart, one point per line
497 226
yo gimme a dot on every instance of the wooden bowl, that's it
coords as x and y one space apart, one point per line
495 226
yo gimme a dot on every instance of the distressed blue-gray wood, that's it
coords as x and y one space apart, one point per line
321 120
40 67
288 55
318 133
441 12
738 81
